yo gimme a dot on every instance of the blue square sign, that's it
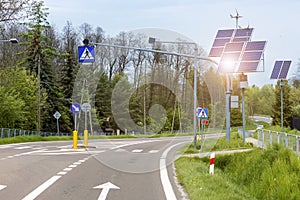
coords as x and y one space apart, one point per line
86 54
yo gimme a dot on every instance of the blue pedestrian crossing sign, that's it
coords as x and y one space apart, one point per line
202 113
86 54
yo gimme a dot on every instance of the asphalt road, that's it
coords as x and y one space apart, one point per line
107 169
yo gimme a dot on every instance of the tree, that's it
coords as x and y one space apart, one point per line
37 60
13 10
287 108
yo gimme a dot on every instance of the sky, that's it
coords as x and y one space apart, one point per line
275 21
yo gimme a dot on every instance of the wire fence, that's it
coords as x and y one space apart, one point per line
8 133
268 138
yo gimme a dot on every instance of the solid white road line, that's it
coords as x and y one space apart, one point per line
164 178
41 188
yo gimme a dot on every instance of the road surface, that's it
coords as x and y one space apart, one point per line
107 169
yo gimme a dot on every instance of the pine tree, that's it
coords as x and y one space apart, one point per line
38 56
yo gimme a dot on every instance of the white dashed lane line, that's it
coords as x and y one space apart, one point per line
40 189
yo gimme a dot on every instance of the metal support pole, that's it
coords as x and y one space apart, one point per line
243 113
281 106
195 97
57 124
228 92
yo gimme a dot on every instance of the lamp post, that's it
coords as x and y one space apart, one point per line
12 40
243 86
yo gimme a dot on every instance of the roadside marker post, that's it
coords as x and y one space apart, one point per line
86 107
75 139
212 163
75 108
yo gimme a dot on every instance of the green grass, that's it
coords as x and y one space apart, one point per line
272 174
200 185
33 138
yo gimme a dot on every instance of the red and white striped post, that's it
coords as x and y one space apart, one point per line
212 163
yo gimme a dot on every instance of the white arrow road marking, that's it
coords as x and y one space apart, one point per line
105 189
2 187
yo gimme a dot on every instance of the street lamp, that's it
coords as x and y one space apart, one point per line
12 40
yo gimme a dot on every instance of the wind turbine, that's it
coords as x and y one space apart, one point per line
236 18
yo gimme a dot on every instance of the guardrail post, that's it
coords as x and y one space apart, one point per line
8 133
263 139
286 140
297 144
271 138
15 132
2 132
278 138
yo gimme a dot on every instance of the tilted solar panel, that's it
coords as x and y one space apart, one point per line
246 32
248 66
255 46
252 56
225 33
276 69
234 47
216 52
284 69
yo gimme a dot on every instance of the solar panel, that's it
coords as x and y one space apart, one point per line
222 37
284 69
220 42
248 66
225 67
233 47
276 69
246 32
280 69
252 56
255 46
225 33
216 52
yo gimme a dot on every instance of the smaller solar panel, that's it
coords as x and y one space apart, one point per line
225 33
276 69
284 69
281 69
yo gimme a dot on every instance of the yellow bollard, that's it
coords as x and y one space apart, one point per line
75 139
85 137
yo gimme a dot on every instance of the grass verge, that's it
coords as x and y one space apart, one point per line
259 174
